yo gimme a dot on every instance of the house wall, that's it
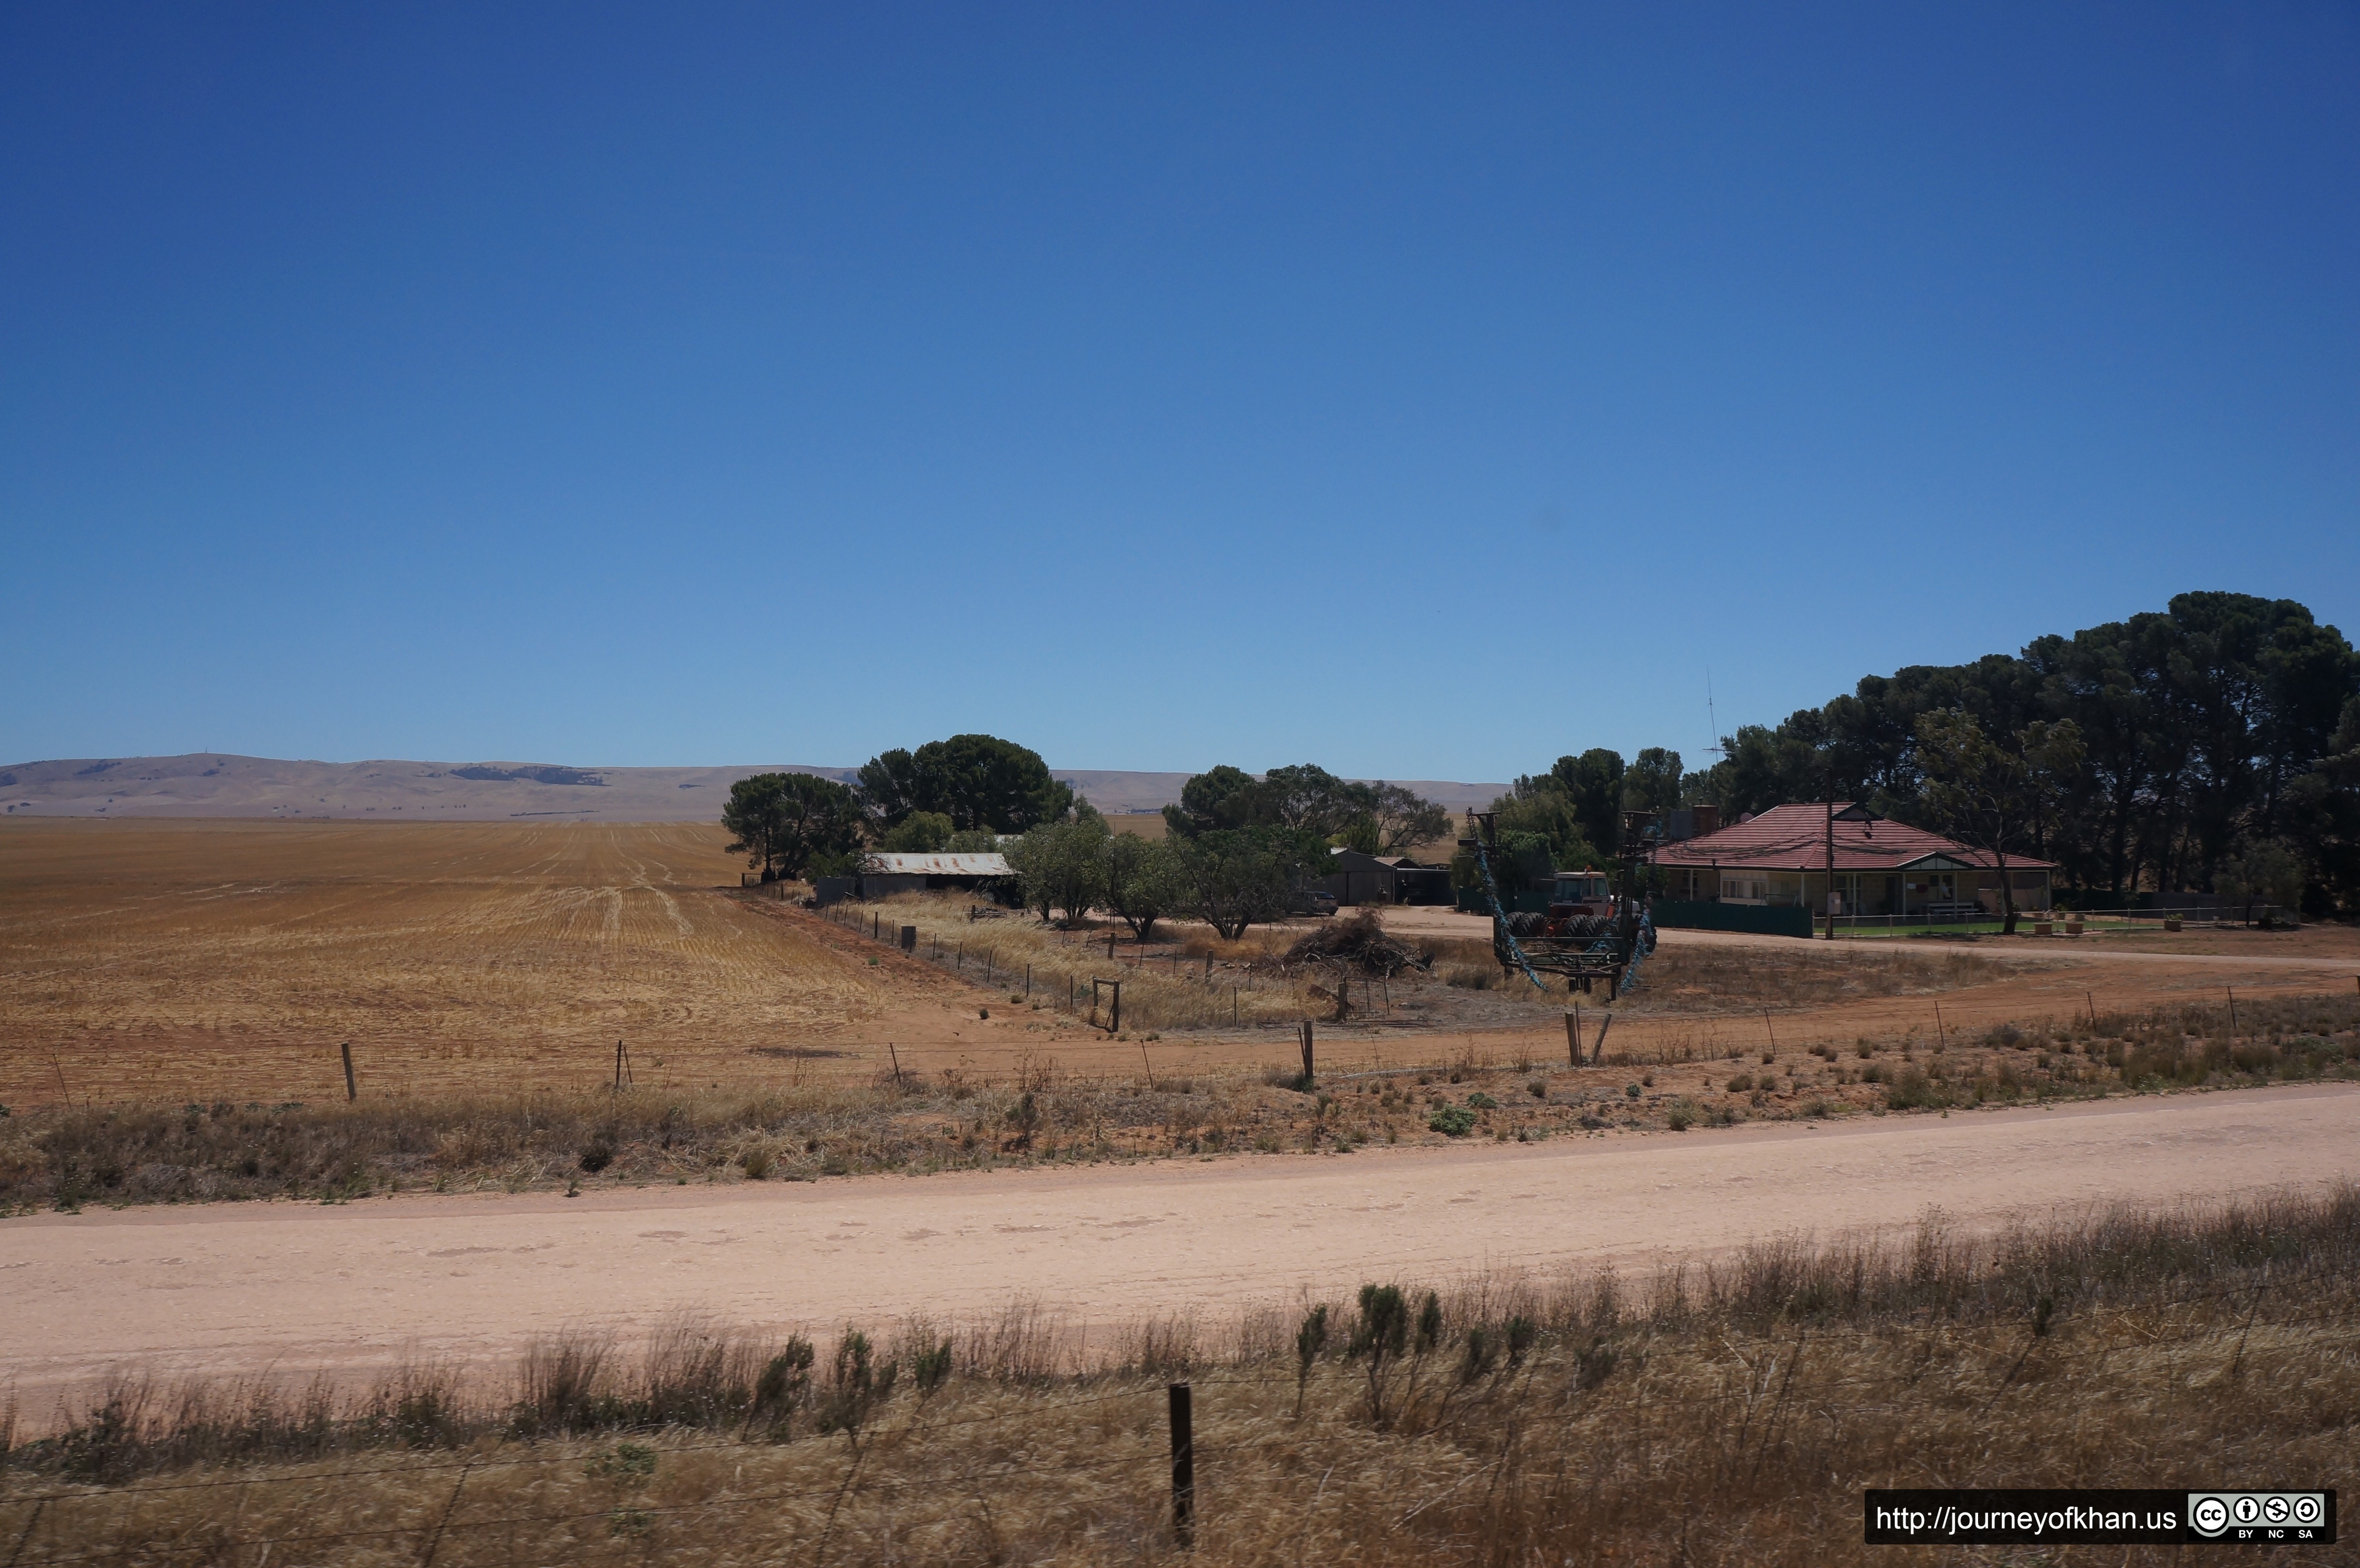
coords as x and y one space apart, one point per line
1865 892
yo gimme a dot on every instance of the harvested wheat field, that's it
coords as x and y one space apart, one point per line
229 959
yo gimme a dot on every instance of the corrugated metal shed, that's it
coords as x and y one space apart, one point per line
902 864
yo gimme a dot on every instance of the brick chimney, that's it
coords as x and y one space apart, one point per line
1708 819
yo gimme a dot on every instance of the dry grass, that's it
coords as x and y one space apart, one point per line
1042 1113
1730 1411
1191 980
226 959
1166 985
1714 979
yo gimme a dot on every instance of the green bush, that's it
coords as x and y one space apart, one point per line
1451 1121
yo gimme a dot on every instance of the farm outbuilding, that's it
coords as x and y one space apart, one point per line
1359 879
888 873
1779 859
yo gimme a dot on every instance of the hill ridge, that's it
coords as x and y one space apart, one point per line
227 784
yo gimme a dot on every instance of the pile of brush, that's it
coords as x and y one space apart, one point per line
1358 943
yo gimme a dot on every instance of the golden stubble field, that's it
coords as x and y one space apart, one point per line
212 961
230 959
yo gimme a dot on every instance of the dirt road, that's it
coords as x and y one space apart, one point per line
238 1289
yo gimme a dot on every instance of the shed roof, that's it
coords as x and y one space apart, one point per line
1792 838
903 865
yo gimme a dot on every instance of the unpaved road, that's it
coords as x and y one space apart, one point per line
243 1288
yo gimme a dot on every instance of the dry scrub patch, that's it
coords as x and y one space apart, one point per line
1042 1113
1189 981
1718 1412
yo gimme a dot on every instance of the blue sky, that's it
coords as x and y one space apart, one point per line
1425 392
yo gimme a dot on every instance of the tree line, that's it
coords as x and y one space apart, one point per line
949 795
1237 851
2212 747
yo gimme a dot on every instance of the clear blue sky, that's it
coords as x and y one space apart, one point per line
1424 392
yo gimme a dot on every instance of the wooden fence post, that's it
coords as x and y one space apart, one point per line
1307 1053
1114 1024
1183 1468
1598 1052
352 1090
1573 1037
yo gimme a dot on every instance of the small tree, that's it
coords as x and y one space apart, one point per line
1990 795
2265 872
1236 877
1405 818
1143 881
1062 866
783 821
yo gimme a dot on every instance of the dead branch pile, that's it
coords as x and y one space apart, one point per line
1359 943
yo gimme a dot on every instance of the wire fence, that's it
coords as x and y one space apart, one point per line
54 1525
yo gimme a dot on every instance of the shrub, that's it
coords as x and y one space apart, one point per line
1630 1091
755 1163
596 1157
1482 1102
1741 1082
1537 1089
1914 1091
1451 1121
1682 1116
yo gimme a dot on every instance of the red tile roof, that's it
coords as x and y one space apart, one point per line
1788 838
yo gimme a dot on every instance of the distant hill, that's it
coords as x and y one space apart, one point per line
212 784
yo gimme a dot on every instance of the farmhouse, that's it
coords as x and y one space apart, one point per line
1779 859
